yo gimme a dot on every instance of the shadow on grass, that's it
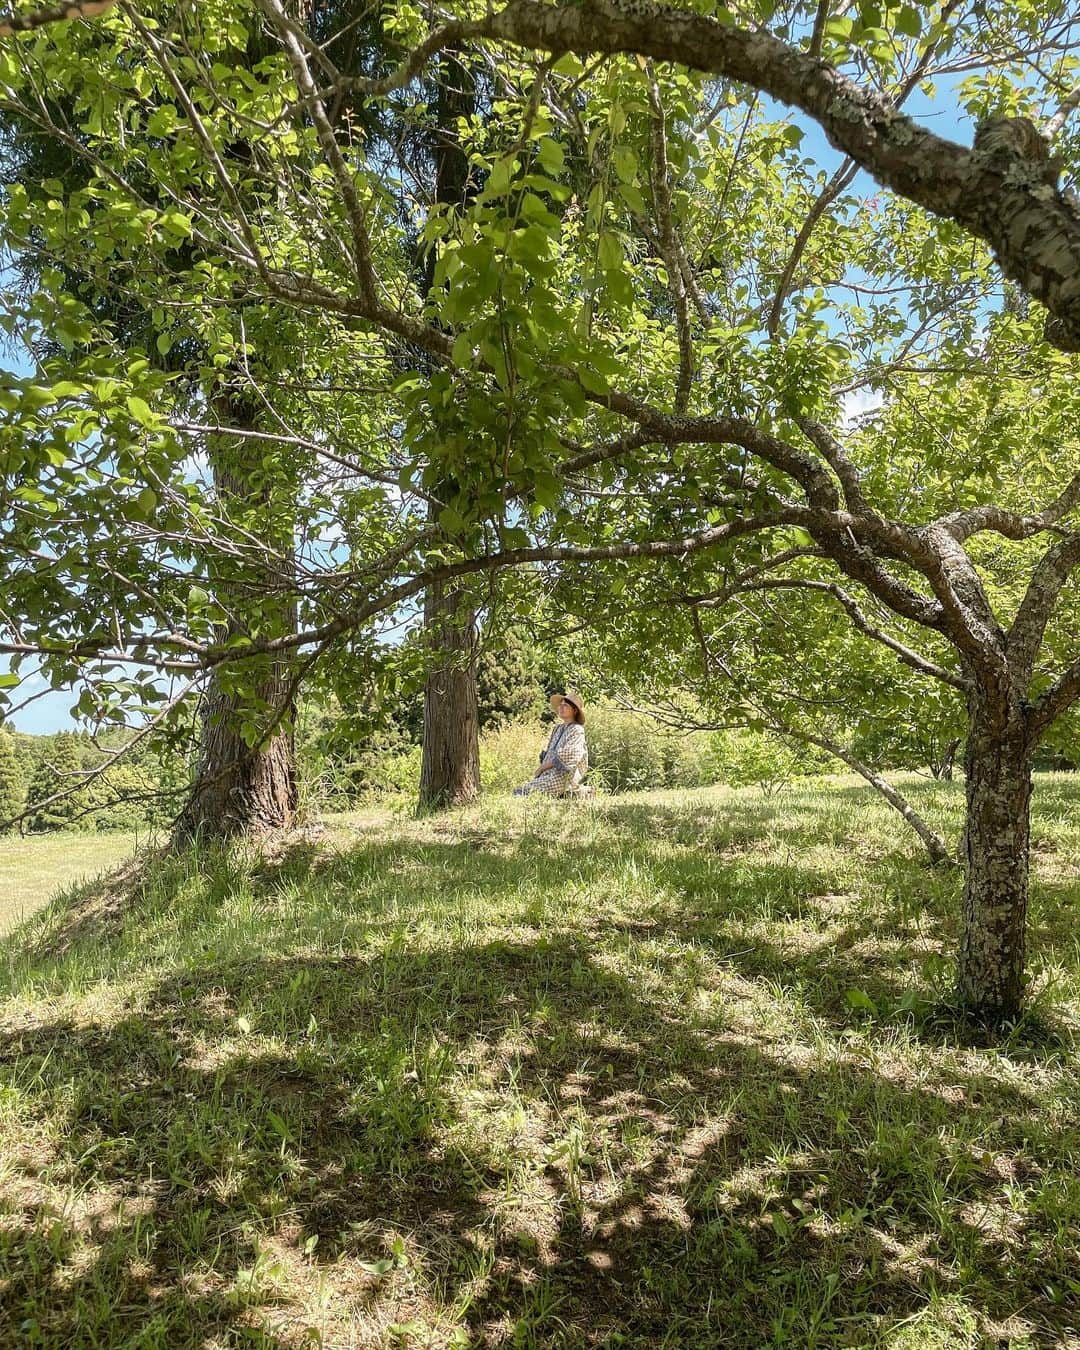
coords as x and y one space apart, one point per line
719 1189
511 1134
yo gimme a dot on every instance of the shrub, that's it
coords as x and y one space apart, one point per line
629 752
510 755
745 758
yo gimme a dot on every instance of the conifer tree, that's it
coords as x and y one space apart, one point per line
55 772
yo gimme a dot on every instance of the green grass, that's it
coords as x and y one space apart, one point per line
34 868
675 1069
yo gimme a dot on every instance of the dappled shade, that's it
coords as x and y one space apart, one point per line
688 1076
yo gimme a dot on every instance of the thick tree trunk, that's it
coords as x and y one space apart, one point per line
996 851
450 761
238 788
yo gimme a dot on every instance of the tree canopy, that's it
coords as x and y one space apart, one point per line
630 361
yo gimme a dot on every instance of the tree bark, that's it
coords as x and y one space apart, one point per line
450 760
239 788
997 836
942 767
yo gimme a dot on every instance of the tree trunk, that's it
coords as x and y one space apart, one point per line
239 788
450 761
942 767
996 850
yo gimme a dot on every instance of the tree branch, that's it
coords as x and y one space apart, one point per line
669 243
1005 194
38 18
1033 614
963 524
1059 698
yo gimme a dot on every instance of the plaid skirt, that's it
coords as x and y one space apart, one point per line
552 782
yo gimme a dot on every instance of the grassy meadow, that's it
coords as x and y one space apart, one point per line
669 1069
33 868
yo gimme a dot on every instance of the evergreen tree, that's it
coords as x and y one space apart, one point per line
11 784
508 678
55 772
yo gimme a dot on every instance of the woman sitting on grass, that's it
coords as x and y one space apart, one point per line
565 762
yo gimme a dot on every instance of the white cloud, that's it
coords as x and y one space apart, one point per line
858 403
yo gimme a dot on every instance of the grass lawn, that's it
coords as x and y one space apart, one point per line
674 1069
32 869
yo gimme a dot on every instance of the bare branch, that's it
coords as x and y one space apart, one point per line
842 178
963 524
1033 614
906 654
1059 698
837 459
361 244
1068 105
674 263
818 34
935 845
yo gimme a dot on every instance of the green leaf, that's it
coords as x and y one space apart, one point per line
551 156
610 252
462 350
499 178
514 536
631 195
278 1125
909 22
625 162
593 381
451 521
140 410
8 681
859 999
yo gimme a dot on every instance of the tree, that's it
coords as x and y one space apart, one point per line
48 795
450 760
643 327
11 783
508 680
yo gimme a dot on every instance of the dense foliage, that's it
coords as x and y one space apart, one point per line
623 351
